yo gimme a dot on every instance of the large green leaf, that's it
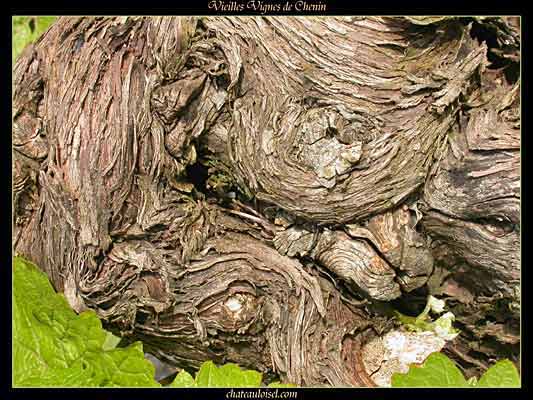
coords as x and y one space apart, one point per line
183 380
501 374
54 346
228 375
437 371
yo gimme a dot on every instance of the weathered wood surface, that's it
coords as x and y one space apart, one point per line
350 161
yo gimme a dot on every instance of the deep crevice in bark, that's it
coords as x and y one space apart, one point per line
489 34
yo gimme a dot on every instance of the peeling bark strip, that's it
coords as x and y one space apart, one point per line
350 161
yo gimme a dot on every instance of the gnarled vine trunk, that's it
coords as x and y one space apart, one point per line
265 190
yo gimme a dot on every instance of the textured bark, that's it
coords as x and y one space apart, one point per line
258 190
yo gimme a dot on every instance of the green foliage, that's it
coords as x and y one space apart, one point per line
442 326
228 375
27 30
53 346
439 371
183 380
501 374
209 375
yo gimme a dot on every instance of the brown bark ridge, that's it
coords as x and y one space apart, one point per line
259 189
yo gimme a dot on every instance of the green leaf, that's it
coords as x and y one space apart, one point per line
437 371
472 381
183 380
423 323
228 375
501 374
23 34
436 305
415 324
443 327
235 377
111 341
207 376
55 347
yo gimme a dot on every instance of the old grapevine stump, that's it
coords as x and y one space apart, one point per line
265 190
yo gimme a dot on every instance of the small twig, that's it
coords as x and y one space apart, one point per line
256 218
248 208
261 222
